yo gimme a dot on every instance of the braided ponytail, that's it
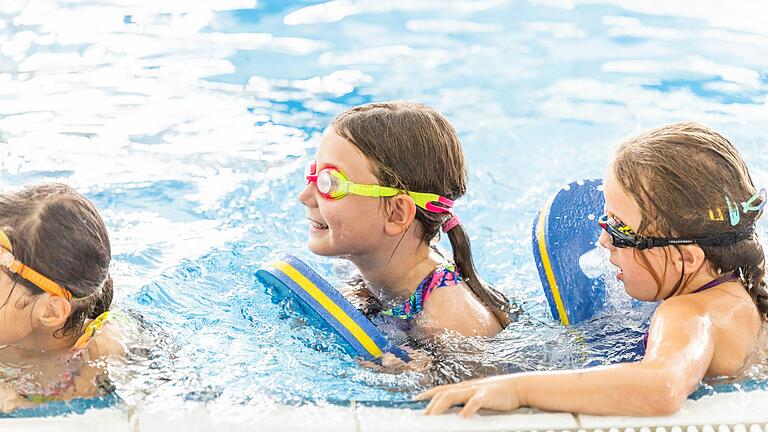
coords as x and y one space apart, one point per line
494 300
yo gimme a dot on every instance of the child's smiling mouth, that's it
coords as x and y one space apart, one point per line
619 271
317 225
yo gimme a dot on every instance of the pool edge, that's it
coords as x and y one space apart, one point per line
736 411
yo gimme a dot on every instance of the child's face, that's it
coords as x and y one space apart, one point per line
638 280
15 311
353 225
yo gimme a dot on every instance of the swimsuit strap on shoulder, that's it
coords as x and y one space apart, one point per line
90 331
444 275
715 282
711 284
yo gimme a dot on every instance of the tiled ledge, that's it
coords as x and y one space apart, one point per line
199 417
720 409
401 420
737 412
106 420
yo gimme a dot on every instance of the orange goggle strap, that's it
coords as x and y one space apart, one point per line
8 260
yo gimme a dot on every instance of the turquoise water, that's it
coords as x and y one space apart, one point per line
189 124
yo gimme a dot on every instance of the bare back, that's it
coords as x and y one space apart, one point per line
736 323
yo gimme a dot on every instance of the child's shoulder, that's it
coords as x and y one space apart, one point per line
106 337
729 308
456 309
688 306
684 305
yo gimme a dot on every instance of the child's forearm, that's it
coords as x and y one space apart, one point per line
630 388
10 399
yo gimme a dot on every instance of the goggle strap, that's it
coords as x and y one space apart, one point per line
373 191
38 279
436 209
27 273
445 201
431 205
44 283
723 239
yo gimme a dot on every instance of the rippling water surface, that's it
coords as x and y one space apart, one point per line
188 123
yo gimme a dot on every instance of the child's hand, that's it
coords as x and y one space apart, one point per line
496 393
390 363
358 295
9 399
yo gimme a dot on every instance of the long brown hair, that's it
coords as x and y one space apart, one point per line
58 232
684 177
413 147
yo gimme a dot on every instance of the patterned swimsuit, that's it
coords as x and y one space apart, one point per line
444 275
34 392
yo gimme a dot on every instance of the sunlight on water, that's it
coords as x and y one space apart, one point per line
189 123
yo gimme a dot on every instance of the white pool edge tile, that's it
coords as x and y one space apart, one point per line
103 419
723 412
406 420
214 417
719 409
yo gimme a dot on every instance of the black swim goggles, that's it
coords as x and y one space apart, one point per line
622 236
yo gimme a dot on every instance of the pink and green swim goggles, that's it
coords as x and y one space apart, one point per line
333 184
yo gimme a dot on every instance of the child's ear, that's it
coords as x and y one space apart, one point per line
401 212
692 256
54 311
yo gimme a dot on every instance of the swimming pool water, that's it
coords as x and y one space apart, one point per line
189 124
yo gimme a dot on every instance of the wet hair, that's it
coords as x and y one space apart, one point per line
413 147
677 174
58 232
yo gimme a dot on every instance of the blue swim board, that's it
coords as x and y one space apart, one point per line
564 230
289 277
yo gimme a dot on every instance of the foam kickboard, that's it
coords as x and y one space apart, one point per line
565 229
289 276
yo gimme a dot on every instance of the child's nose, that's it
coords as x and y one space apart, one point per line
307 196
605 241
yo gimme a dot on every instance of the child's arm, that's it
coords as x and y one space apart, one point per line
679 352
357 293
82 376
10 400
420 361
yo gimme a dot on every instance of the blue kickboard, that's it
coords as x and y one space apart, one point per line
289 277
564 230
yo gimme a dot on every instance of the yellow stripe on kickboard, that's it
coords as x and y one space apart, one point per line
547 265
331 307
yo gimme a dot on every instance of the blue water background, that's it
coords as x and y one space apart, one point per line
189 124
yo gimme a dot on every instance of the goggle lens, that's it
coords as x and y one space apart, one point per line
328 181
325 183
332 183
621 235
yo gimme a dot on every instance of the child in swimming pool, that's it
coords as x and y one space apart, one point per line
55 291
680 226
382 184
